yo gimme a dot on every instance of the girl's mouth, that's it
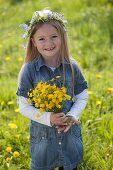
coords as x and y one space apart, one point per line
50 49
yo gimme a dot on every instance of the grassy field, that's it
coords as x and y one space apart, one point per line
90 29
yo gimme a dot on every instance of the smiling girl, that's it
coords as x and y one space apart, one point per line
53 142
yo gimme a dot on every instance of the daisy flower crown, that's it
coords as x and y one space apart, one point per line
44 16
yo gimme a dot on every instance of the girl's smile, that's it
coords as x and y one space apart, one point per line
48 42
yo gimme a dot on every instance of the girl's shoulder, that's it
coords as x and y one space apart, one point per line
27 67
74 64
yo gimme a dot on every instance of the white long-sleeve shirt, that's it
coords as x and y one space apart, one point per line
29 111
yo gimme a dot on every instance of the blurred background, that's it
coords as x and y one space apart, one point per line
90 33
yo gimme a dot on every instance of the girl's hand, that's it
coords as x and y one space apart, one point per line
58 118
70 121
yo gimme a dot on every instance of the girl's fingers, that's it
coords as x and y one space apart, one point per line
67 128
60 128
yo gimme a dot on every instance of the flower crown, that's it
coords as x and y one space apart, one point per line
44 16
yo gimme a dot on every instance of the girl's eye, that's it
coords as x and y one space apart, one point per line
41 39
54 36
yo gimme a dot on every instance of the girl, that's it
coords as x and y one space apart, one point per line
53 142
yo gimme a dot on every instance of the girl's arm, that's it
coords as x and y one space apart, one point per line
29 111
79 104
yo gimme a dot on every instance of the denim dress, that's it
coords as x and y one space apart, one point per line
50 149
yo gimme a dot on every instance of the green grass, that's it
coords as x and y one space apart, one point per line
90 30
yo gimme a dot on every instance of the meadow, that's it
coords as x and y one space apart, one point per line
90 31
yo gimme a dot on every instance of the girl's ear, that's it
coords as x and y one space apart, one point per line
33 41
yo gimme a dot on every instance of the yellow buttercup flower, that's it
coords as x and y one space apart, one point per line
99 102
16 154
2 103
99 76
9 149
17 110
41 109
12 125
7 58
110 90
90 92
17 136
10 102
8 159
48 97
20 59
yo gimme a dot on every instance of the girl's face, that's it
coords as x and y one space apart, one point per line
47 41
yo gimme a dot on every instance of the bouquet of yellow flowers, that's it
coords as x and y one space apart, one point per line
46 96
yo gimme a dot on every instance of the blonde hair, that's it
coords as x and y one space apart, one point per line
33 53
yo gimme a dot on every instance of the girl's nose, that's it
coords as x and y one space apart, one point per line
49 42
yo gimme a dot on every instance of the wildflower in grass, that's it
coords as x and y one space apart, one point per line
20 59
16 110
9 149
10 102
107 155
16 154
2 103
110 90
12 125
28 137
17 136
90 92
1 45
7 58
98 76
8 159
99 103
46 96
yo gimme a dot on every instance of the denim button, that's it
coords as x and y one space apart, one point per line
60 143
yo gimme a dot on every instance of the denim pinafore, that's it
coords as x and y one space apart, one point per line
50 149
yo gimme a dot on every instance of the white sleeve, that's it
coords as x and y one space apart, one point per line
79 104
29 111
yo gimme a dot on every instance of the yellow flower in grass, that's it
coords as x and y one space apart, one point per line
9 149
98 76
12 125
17 136
1 45
90 92
7 58
110 90
99 103
17 110
20 59
2 103
8 159
16 154
10 102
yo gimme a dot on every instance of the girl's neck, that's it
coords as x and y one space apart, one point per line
52 63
